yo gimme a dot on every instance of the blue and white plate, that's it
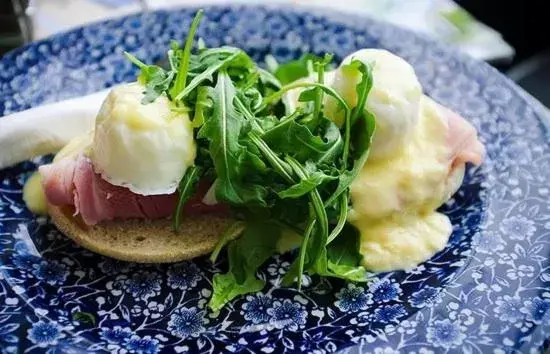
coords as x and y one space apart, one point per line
488 291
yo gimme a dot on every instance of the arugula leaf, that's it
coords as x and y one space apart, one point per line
344 259
306 185
229 234
297 69
158 82
222 130
281 167
290 239
308 95
269 79
365 134
246 255
181 77
341 259
186 189
202 104
206 75
363 87
246 112
295 139
317 228
84 317
342 217
320 69
288 87
347 272
155 79
226 288
364 130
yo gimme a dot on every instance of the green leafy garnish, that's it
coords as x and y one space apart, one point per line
181 77
344 258
282 171
185 191
84 317
297 69
223 130
233 231
246 255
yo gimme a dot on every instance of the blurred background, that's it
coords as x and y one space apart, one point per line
506 34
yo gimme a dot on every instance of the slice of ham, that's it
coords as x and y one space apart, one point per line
74 182
462 139
464 147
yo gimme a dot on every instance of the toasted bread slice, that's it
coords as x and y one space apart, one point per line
143 241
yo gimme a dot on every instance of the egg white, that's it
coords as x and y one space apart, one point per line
394 98
144 147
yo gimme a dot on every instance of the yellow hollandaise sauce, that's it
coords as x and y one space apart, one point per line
394 200
33 195
402 241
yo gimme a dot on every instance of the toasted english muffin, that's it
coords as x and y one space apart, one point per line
143 241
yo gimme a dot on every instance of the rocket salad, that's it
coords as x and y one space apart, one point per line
281 172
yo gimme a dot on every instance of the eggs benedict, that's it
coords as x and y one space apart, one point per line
416 163
355 161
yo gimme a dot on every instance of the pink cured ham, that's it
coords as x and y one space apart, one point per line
462 139
74 182
464 147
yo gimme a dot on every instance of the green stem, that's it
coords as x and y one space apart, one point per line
277 95
303 249
181 78
341 218
279 165
314 196
347 139
247 114
205 75
185 189
135 61
319 96
228 235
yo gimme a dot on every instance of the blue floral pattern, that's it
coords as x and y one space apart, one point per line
446 334
255 308
288 314
353 298
44 334
384 290
184 275
425 297
487 291
186 322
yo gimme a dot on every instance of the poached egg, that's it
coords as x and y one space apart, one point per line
144 147
394 98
